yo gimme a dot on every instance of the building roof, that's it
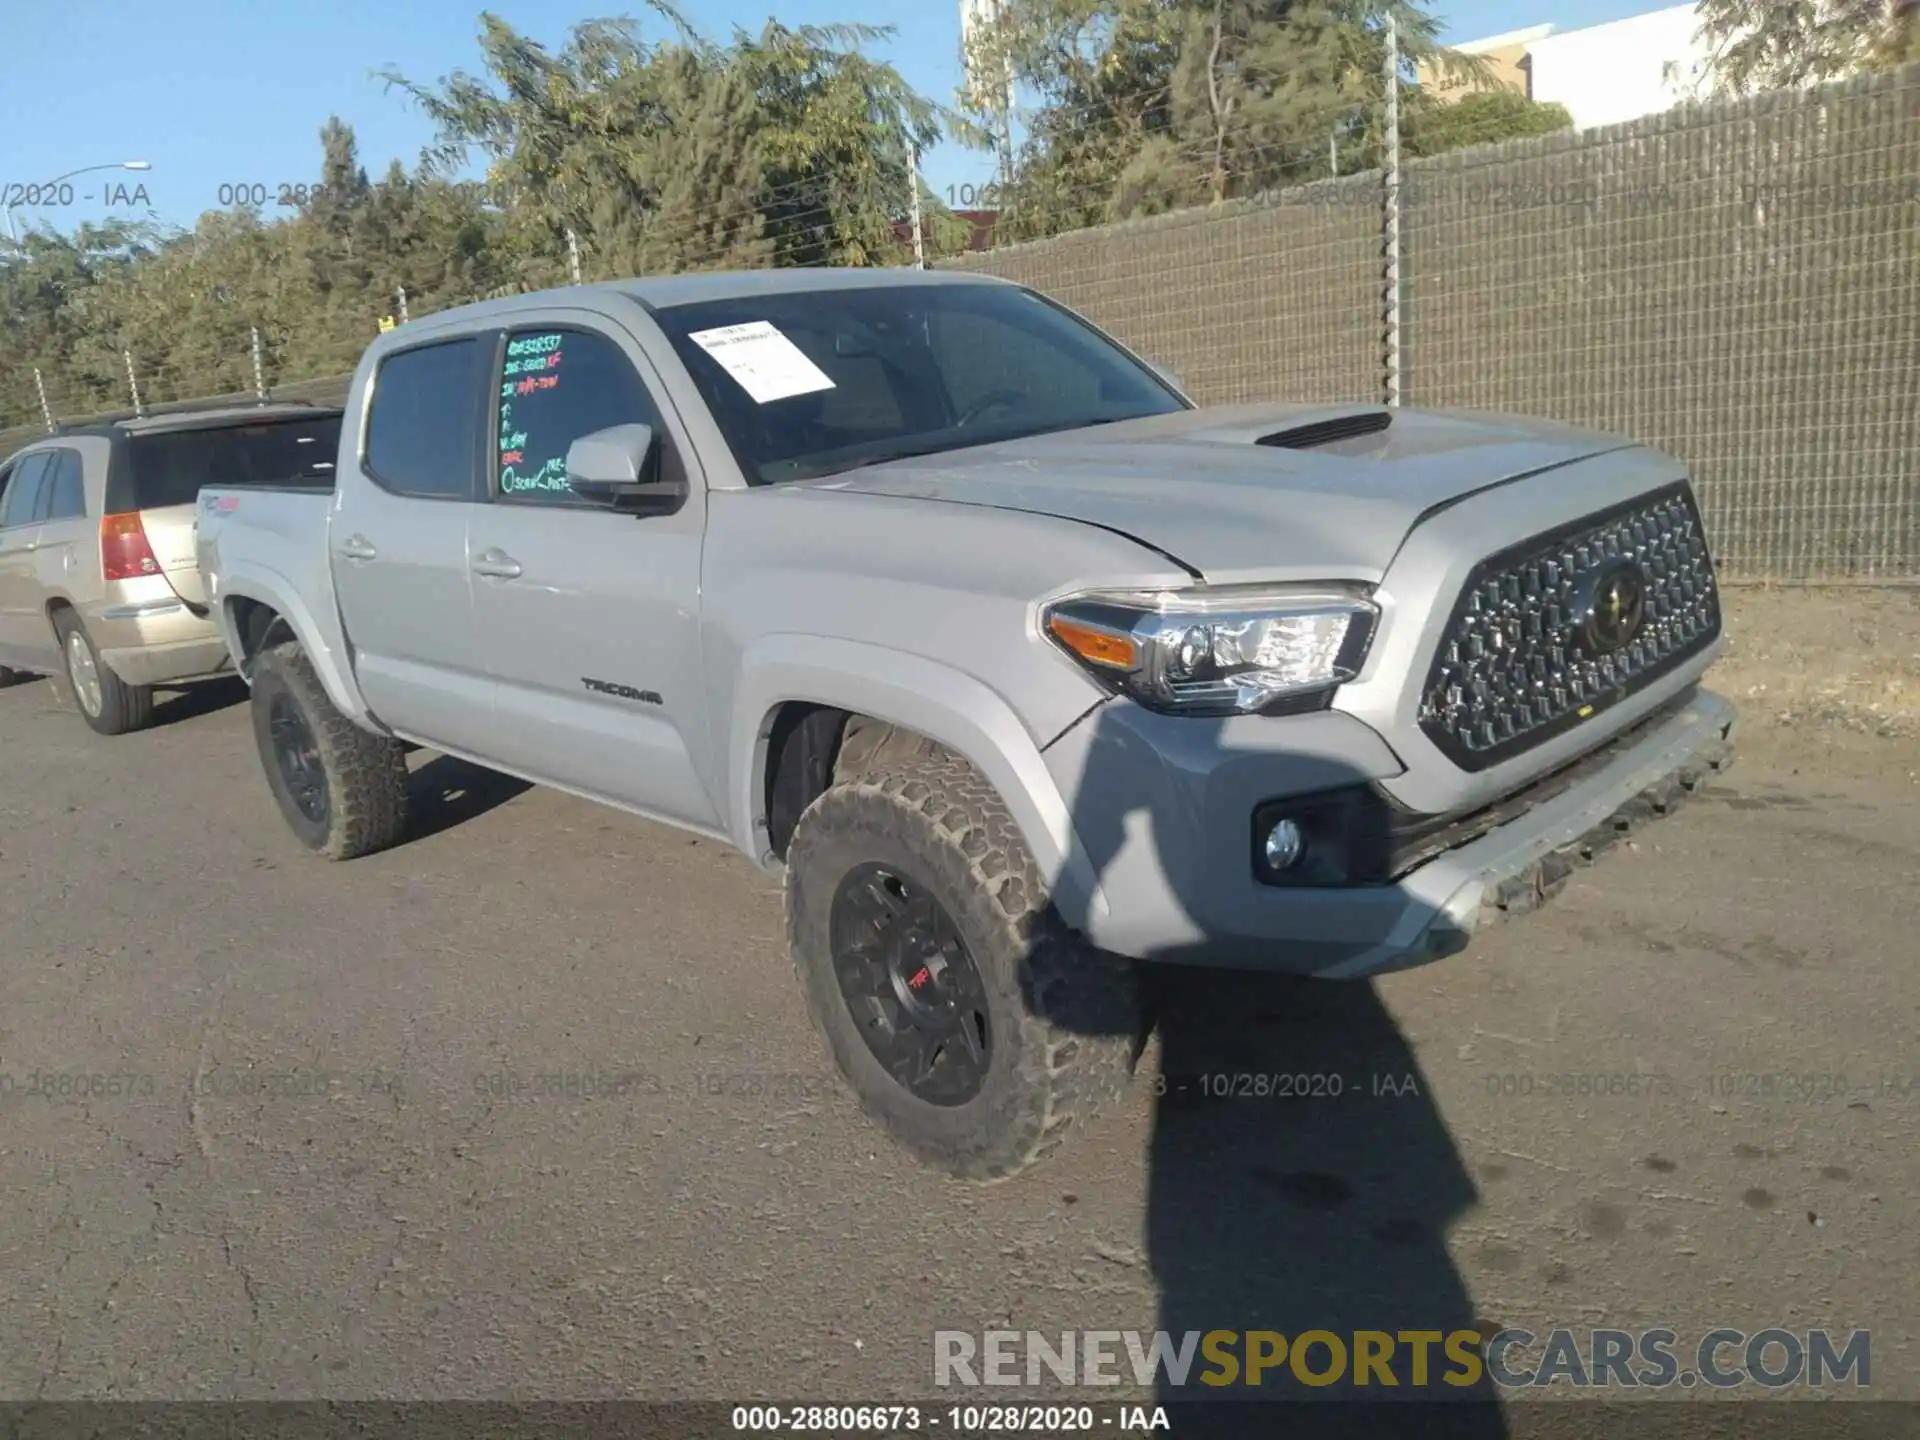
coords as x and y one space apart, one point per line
1502 41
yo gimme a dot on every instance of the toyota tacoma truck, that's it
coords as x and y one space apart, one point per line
1018 668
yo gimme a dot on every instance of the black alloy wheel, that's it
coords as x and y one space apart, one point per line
914 992
296 754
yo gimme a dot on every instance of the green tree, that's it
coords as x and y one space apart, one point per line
786 147
1481 117
1779 44
1149 105
46 281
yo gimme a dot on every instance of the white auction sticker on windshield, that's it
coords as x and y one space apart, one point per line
767 364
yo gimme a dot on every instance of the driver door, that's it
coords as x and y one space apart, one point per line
591 616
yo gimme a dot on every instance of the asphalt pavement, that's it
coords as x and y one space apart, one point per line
530 1106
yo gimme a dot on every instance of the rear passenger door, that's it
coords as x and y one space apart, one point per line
592 616
26 640
398 542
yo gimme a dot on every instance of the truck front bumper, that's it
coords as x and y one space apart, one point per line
1172 842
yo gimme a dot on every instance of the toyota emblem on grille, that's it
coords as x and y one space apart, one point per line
1617 607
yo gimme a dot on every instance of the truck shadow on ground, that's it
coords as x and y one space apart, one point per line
1300 1177
171 707
444 791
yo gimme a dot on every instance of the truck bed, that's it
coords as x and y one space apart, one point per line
278 535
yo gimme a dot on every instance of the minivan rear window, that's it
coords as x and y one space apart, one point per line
170 467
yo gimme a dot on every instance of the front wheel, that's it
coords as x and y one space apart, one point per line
968 1021
106 702
343 790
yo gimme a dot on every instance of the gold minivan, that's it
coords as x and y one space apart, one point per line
98 580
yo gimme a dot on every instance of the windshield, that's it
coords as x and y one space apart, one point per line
170 466
810 383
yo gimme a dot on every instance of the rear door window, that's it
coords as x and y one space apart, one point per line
424 423
23 494
172 466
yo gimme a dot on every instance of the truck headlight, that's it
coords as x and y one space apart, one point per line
1238 650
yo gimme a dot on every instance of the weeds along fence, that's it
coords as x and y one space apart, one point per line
1737 282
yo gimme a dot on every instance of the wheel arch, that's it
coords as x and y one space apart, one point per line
827 706
255 609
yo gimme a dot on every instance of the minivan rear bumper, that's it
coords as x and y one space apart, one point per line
156 639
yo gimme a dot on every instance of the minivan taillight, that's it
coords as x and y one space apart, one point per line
124 551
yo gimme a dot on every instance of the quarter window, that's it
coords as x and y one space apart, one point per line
557 385
63 493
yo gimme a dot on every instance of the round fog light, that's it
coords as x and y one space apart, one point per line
1284 844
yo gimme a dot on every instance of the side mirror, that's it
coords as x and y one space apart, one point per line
619 467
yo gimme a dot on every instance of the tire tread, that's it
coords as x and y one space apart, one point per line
366 773
1077 1039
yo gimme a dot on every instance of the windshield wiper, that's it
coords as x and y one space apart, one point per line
888 458
917 451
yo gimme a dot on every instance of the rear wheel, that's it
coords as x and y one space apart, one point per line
970 1023
106 702
343 790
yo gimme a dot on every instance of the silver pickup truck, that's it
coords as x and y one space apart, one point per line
927 595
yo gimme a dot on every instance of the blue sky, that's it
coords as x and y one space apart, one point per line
233 92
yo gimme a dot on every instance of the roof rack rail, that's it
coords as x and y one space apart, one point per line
107 419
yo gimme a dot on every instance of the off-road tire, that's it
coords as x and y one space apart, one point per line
366 774
1064 1016
124 708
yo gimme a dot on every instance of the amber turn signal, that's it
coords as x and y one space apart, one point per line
1096 647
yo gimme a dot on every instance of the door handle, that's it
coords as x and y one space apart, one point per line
496 563
358 547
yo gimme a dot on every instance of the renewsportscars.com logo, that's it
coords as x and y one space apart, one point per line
1374 1360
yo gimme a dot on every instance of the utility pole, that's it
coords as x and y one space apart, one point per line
259 370
401 291
1390 299
133 386
913 176
46 410
573 255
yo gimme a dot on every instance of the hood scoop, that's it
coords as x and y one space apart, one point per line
1319 434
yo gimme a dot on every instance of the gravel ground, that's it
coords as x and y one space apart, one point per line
424 1224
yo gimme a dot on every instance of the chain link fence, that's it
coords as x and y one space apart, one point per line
1738 283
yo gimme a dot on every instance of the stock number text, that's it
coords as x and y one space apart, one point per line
289 196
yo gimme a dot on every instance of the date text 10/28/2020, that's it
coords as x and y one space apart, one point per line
950 1419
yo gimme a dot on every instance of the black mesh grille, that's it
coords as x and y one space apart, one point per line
1521 661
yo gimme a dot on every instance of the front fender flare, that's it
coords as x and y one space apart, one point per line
922 695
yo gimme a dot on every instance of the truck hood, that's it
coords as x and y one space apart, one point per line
1269 492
